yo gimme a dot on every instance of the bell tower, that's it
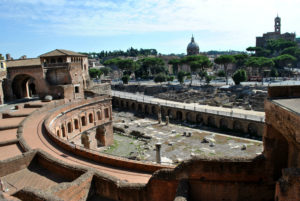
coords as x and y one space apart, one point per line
277 25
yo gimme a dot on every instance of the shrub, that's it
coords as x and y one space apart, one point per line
125 79
160 78
239 76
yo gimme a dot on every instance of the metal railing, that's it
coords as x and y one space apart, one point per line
191 106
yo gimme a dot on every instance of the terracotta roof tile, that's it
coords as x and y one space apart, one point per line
60 52
23 62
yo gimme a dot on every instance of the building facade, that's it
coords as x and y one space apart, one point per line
262 41
59 73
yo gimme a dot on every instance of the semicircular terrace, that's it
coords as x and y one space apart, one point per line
83 127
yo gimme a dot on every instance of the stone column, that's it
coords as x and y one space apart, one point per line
167 120
158 147
159 118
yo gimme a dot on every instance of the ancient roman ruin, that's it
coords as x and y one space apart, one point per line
56 146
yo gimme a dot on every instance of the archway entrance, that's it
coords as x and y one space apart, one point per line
24 86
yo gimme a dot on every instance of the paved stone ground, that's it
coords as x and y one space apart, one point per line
175 146
36 177
291 104
9 134
9 151
35 137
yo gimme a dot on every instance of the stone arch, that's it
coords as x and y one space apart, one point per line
91 118
127 105
69 126
154 110
146 109
163 112
189 117
169 112
85 141
83 121
237 126
76 124
179 115
199 118
99 115
224 124
252 129
58 133
133 106
140 108
211 121
63 131
122 104
116 102
24 86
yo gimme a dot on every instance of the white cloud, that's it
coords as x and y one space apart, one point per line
239 19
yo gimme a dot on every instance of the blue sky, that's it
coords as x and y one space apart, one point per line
33 27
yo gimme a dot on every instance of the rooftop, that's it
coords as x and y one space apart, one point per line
61 52
290 104
23 62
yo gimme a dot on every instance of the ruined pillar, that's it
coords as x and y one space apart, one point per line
159 118
100 136
158 147
167 120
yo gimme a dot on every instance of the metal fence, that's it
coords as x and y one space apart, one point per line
192 106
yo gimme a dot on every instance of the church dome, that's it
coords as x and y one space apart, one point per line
193 47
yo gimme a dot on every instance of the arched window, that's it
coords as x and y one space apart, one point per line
63 131
106 113
91 119
57 133
69 127
76 124
99 115
83 121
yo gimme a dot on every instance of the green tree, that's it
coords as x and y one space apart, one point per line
240 60
105 70
259 51
260 63
94 72
152 66
202 74
170 79
208 78
112 62
221 73
239 76
274 72
225 60
279 45
125 79
284 60
196 62
181 76
161 77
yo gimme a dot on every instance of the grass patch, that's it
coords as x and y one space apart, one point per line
112 147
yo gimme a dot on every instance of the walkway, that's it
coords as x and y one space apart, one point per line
234 112
35 137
